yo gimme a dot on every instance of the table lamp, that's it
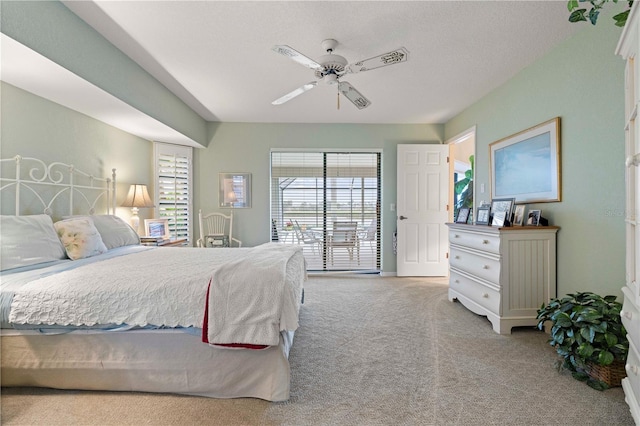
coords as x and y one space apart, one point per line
138 197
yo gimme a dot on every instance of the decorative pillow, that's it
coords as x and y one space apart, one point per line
80 238
28 240
114 231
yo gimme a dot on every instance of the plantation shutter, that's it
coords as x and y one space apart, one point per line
313 193
173 189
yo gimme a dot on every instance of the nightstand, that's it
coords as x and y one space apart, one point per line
168 243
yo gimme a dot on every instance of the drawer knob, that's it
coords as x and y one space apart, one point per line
485 241
485 267
631 369
456 281
457 257
456 236
485 295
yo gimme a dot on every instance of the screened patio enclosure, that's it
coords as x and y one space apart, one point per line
328 202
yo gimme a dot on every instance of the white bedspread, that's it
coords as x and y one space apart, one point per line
254 313
161 287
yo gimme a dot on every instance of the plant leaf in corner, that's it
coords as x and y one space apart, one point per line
572 4
621 18
577 15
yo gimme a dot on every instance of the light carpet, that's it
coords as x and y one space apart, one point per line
370 351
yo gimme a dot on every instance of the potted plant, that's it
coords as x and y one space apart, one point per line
579 13
587 332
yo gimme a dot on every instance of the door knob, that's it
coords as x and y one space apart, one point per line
403 217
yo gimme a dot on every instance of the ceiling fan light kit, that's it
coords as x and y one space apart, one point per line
330 68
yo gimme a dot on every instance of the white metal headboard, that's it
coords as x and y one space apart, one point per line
47 186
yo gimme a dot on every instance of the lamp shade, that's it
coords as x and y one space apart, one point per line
138 196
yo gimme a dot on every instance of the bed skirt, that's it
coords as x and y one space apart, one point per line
165 361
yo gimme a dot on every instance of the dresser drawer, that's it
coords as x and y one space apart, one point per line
633 372
483 242
630 315
482 294
476 264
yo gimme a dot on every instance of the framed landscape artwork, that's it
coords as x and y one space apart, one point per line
526 166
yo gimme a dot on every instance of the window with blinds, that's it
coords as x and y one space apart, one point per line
173 189
328 202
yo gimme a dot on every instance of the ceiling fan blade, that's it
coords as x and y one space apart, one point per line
394 57
296 56
353 95
299 91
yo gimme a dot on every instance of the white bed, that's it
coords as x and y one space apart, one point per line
131 318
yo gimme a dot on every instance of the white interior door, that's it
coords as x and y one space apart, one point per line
423 193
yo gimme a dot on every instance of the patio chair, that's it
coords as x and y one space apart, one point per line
344 235
307 237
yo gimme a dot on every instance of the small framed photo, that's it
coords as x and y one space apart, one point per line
463 215
157 228
482 215
499 219
518 215
503 205
533 219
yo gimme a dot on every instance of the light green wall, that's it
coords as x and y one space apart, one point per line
238 147
580 81
35 127
55 32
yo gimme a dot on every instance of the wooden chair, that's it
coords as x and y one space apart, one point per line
215 225
344 235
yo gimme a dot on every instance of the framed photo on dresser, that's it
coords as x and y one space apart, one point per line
482 215
518 215
503 205
499 219
463 215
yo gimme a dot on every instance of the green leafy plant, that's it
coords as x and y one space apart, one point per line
464 189
586 328
580 14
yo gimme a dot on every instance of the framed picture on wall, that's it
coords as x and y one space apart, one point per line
526 165
234 190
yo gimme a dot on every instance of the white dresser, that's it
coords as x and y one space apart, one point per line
505 274
629 49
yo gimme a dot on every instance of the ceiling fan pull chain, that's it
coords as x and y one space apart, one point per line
338 99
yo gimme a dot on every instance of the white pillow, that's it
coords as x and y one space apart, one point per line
80 238
28 240
115 232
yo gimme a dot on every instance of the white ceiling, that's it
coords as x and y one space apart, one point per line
217 57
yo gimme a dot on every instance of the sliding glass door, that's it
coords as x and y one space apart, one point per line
328 202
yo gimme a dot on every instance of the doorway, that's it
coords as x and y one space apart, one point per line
462 148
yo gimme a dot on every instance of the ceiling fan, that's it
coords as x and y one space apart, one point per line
330 68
